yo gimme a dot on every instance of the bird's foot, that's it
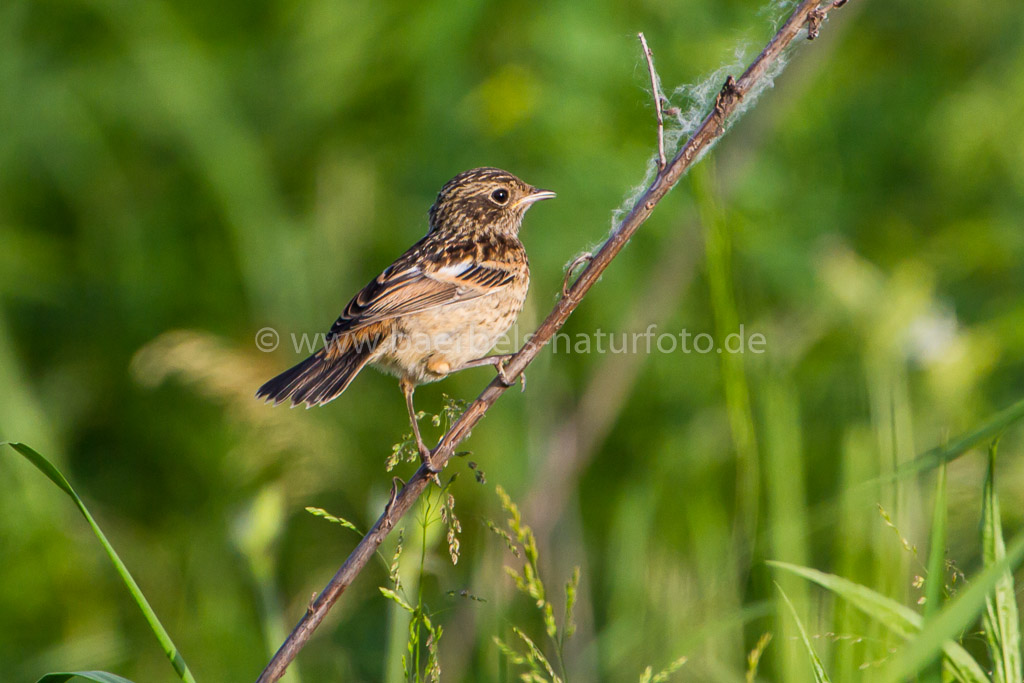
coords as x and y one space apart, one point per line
425 456
503 374
500 364
428 462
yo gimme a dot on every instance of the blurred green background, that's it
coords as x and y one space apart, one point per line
176 175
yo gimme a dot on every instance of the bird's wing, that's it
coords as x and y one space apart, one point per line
402 290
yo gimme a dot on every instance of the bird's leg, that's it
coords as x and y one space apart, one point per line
498 361
407 389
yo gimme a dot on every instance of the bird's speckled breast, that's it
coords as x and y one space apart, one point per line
427 346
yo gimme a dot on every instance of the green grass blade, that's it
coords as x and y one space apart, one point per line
718 255
54 475
1001 621
820 675
98 676
896 617
936 549
936 567
960 614
931 459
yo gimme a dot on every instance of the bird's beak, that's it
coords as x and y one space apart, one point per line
535 196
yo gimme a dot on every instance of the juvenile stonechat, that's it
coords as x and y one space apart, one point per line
439 308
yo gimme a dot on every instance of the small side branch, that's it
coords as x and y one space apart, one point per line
816 17
658 100
576 263
809 14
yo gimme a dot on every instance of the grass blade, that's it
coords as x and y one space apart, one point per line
820 675
896 617
97 676
932 458
718 254
54 475
936 567
1001 621
960 614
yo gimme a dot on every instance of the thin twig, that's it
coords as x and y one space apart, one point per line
711 128
658 97
815 18
576 263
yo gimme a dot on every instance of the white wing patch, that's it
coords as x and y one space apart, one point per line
455 269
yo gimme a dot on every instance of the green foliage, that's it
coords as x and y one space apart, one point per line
522 543
935 581
323 514
452 525
990 594
539 669
164 638
899 619
97 676
420 660
648 677
1001 619
754 656
406 450
820 675
952 620
175 176
992 428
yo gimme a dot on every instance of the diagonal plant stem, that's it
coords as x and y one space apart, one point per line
810 14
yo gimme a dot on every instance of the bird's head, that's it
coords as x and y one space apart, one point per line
482 199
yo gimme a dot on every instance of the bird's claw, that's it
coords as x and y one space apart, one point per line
427 460
503 374
432 471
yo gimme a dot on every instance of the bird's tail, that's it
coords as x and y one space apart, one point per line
316 380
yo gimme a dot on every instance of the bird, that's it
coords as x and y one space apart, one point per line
439 308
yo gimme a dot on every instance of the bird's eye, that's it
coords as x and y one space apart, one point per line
500 196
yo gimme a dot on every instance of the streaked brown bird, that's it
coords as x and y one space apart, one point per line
439 308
